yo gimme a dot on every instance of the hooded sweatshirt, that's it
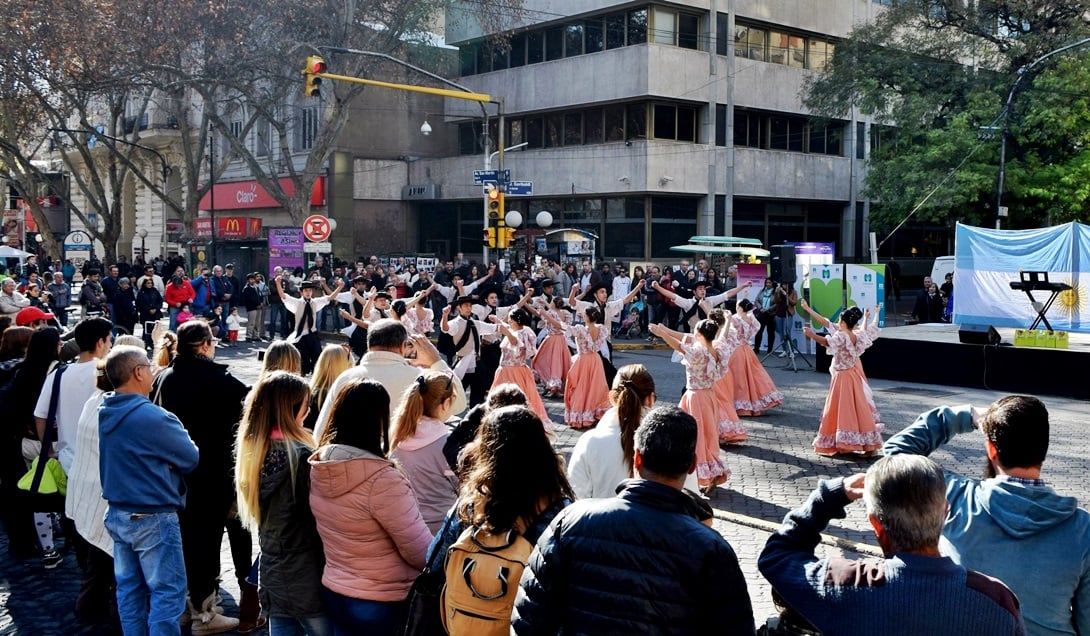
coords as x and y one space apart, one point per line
374 537
1028 536
143 453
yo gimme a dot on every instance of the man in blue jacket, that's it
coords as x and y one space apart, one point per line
144 452
640 562
1012 525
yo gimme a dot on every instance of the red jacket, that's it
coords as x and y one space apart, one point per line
175 295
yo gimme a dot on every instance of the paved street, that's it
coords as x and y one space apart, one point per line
772 473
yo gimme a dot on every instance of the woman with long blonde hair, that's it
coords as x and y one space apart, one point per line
416 443
333 361
281 355
272 478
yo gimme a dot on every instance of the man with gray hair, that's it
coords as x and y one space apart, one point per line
1012 524
139 438
913 590
640 562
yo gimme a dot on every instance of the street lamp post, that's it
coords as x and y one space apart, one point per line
143 234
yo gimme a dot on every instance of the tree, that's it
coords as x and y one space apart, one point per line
936 74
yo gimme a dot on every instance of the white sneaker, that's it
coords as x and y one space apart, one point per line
782 355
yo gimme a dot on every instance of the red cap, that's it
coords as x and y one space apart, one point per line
28 315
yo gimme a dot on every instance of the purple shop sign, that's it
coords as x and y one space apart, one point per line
285 248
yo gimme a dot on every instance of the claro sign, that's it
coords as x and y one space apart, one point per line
249 195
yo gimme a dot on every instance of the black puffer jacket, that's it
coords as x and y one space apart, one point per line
638 563
292 558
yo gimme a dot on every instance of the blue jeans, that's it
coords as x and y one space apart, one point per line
148 562
174 317
278 320
783 329
315 626
353 616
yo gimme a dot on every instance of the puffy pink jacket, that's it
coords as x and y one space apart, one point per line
375 540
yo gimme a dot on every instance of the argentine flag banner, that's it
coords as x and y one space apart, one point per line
986 261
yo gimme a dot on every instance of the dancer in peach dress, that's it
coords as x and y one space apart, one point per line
553 358
850 422
586 394
705 357
754 390
516 350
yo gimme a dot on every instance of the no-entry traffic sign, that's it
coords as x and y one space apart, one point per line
316 228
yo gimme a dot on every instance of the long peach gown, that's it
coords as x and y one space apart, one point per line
553 358
514 368
850 421
754 390
586 394
702 371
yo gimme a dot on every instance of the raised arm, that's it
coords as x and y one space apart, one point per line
347 315
669 336
443 324
571 294
336 290
822 320
632 294
667 293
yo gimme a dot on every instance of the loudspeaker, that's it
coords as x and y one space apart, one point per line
782 260
979 334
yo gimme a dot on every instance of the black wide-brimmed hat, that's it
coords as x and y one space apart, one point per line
308 285
548 282
383 294
461 300
594 289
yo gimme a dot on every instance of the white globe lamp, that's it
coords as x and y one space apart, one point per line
513 218
544 218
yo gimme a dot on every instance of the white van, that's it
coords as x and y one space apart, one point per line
943 265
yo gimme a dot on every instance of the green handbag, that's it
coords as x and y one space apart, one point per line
53 480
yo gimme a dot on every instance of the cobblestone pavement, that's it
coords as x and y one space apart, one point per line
772 473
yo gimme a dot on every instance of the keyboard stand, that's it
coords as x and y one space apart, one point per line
1042 309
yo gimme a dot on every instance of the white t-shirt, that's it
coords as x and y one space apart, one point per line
77 386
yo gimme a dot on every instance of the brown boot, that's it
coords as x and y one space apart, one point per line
249 609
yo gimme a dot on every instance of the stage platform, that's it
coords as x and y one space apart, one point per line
931 353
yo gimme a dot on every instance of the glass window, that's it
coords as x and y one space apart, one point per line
796 134
624 228
665 121
573 129
817 57
834 137
860 139
484 58
665 26
817 138
741 128
796 51
686 124
721 124
499 56
777 47
535 47
829 48
637 27
467 59
595 35
593 132
751 42
467 138
779 133
614 122
636 121
674 220
554 43
515 132
573 39
615 28
518 50
688 31
554 130
722 30
535 132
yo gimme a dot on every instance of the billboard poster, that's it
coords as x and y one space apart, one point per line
866 287
13 229
826 291
285 248
754 274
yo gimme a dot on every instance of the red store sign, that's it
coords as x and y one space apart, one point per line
249 195
228 227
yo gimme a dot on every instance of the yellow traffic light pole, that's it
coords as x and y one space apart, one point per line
503 234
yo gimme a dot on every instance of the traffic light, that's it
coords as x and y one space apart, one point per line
490 236
505 237
495 203
315 65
